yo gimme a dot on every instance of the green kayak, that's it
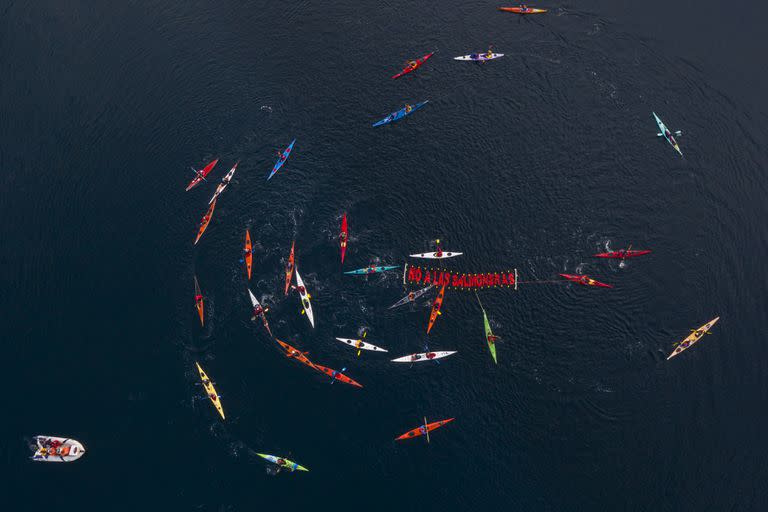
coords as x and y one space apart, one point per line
282 463
489 337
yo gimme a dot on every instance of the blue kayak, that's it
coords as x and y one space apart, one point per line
373 269
282 159
396 116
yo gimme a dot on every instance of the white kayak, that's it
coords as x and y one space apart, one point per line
411 297
361 345
224 183
305 303
57 449
436 256
479 57
424 356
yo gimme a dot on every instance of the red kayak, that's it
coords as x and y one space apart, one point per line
585 280
414 65
343 237
422 430
622 254
202 174
337 375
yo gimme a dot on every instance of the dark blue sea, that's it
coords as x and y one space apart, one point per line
533 162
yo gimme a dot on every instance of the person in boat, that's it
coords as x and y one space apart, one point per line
258 311
359 344
408 108
439 252
411 297
343 236
412 64
301 289
423 429
489 53
415 357
431 355
213 396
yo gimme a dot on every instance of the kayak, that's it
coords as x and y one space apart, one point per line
210 390
248 253
479 57
202 174
373 269
361 345
396 116
292 352
305 299
199 304
585 280
489 337
436 308
343 236
337 375
436 255
423 429
523 10
205 221
693 338
56 449
224 182
411 297
622 254
424 356
413 65
262 315
664 132
283 157
286 464
289 269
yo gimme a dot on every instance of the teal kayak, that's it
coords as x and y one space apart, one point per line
396 116
373 269
283 463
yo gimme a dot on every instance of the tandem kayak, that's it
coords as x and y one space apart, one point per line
436 308
343 236
202 174
282 463
292 352
373 269
423 429
413 65
585 280
411 297
199 303
424 356
523 10
248 253
205 221
210 390
479 57
56 449
283 157
361 345
337 375
622 254
224 182
396 116
664 132
306 304
693 338
259 312
289 268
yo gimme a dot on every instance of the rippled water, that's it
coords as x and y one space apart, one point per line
534 161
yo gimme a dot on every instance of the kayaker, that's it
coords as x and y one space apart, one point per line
408 108
281 462
489 54
301 289
439 252
412 64
258 311
431 355
411 296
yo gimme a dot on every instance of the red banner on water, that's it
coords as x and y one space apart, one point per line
439 277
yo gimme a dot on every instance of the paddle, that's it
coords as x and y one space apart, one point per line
426 429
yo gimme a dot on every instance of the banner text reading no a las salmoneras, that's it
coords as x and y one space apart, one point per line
440 277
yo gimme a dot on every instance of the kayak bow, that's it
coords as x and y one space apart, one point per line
283 157
396 116
414 65
693 338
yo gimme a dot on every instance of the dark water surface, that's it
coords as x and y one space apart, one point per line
534 161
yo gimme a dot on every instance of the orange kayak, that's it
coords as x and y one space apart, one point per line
248 250
423 429
436 308
522 10
337 375
199 303
205 221
295 353
289 268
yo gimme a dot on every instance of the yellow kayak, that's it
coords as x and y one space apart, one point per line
693 338
210 390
